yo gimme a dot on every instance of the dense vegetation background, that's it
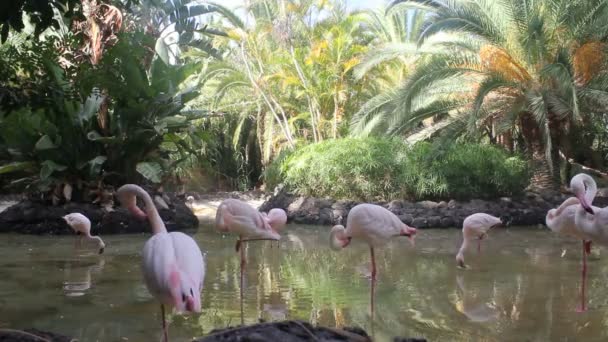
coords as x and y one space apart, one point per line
418 99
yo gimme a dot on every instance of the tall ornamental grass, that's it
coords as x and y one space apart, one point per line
384 169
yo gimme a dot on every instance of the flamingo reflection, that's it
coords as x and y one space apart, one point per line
473 304
78 277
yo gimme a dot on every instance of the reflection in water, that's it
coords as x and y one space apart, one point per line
473 301
77 275
521 290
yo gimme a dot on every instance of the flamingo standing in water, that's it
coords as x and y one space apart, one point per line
82 226
251 225
376 226
372 223
562 220
475 227
239 217
173 264
591 221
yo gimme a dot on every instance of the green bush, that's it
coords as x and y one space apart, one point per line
375 169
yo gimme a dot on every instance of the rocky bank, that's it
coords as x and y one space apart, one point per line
527 210
286 331
31 216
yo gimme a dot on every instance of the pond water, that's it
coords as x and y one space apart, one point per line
522 287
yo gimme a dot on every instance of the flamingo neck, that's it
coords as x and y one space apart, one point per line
463 248
584 220
157 224
98 240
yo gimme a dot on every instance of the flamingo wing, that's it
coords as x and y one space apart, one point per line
189 260
159 263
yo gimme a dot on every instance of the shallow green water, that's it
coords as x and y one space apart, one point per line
523 287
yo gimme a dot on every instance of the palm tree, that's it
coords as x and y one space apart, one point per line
507 68
294 65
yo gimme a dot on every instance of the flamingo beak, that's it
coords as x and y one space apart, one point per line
586 205
190 304
410 233
346 242
101 250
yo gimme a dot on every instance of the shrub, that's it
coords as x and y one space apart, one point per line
376 169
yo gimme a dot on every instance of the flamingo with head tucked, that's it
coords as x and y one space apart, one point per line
376 226
562 220
173 264
372 223
82 225
591 221
475 227
238 217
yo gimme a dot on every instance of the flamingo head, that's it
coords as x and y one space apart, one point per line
102 246
277 218
129 201
408 231
584 189
77 221
186 292
460 260
338 238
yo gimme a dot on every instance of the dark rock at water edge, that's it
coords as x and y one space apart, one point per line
31 335
289 331
36 217
527 210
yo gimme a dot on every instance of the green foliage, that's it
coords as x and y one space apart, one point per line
373 169
462 171
53 122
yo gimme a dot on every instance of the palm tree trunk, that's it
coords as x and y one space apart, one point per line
545 175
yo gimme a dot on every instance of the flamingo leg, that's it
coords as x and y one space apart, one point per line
243 264
371 303
586 250
479 242
165 330
371 251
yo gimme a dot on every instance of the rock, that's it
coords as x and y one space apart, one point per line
289 331
452 204
31 217
324 203
395 205
31 335
406 218
428 204
442 204
433 221
446 222
419 222
326 216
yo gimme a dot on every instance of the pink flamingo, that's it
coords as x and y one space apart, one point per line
563 221
239 217
82 226
475 227
251 225
591 221
372 223
173 264
376 226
